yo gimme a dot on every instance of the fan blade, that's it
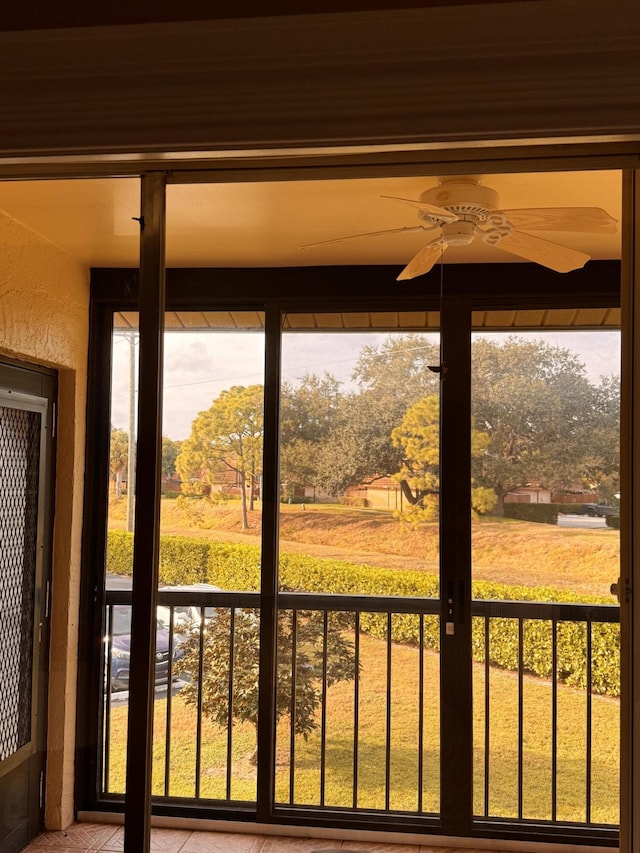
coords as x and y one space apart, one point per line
590 220
431 209
423 261
544 252
409 229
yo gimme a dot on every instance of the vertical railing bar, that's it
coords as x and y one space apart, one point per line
487 727
167 731
421 714
520 710
554 719
232 647
292 713
199 714
588 768
106 750
323 719
387 765
356 707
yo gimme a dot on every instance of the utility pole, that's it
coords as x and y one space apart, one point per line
131 472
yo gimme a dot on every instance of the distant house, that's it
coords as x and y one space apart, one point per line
534 493
575 496
171 483
383 493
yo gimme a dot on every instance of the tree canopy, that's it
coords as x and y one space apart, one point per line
318 655
118 458
170 450
308 414
537 419
226 437
538 408
418 437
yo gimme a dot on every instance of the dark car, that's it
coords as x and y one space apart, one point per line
120 649
600 510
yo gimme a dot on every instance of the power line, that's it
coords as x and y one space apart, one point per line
287 370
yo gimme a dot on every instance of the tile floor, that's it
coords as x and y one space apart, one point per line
107 838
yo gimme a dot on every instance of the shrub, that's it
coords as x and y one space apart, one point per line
119 552
183 560
571 509
301 652
613 521
220 497
541 513
357 502
233 566
237 567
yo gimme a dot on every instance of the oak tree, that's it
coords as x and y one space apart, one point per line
226 437
118 458
418 438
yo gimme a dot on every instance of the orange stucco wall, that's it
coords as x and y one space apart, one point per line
44 299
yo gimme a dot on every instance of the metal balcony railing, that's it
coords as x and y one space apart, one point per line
564 663
358 706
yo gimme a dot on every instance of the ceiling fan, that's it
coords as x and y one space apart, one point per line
460 210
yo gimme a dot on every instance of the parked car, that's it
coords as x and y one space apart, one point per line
600 510
186 614
120 648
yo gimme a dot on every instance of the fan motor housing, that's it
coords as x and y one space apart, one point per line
463 197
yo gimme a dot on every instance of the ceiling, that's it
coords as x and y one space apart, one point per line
265 224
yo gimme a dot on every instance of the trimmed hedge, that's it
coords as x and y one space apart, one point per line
119 552
182 559
358 502
541 513
237 567
571 509
613 521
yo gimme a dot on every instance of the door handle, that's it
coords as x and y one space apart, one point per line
455 606
621 591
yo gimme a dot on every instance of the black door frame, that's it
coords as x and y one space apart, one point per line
35 388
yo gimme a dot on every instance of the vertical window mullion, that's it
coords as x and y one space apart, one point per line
137 820
269 568
456 723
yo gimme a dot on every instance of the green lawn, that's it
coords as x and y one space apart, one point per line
404 746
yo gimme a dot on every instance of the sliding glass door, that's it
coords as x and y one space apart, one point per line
358 569
546 638
346 602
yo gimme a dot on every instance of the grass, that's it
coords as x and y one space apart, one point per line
571 779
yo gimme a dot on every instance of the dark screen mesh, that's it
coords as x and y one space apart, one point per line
19 467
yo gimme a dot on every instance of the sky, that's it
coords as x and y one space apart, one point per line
199 365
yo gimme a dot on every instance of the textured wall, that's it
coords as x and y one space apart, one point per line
44 298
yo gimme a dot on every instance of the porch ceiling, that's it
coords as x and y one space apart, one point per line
560 318
264 224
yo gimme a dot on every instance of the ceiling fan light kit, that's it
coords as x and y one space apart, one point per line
460 233
460 209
